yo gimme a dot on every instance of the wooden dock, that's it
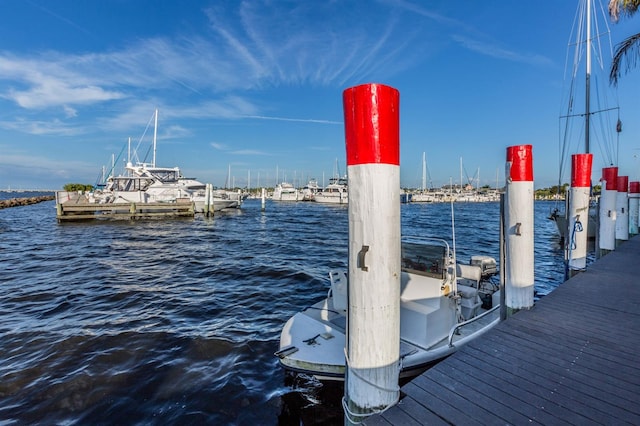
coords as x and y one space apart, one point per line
127 211
574 358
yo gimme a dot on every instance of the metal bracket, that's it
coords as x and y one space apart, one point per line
518 225
360 264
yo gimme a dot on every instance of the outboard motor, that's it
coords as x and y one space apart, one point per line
489 292
487 265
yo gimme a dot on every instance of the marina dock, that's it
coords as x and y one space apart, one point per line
571 359
87 211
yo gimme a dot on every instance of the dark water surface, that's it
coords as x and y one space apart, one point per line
176 321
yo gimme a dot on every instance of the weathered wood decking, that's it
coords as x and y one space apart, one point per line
574 358
84 211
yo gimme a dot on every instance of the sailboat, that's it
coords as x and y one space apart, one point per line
425 196
586 43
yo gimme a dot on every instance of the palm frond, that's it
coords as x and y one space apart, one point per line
627 52
622 7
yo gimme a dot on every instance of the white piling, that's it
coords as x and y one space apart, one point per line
578 219
607 210
371 116
622 209
207 195
211 203
519 276
634 207
263 199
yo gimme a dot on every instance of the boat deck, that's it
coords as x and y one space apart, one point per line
571 359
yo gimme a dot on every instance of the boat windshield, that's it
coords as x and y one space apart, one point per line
428 257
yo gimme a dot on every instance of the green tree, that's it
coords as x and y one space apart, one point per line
72 187
628 51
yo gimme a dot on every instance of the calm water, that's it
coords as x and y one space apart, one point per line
176 321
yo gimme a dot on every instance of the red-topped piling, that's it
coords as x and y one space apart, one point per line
634 207
578 214
371 120
622 209
607 212
519 276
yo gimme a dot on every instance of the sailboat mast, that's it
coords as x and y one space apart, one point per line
155 134
588 81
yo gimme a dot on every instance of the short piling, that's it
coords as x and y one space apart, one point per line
634 207
519 274
607 210
207 196
371 117
622 209
212 210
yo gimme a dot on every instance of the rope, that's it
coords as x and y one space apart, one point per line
350 414
577 227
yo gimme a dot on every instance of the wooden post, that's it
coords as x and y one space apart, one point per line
607 210
371 117
519 276
622 209
578 217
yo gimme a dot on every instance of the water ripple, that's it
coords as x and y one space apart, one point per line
176 322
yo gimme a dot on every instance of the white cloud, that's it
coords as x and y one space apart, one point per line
491 49
218 146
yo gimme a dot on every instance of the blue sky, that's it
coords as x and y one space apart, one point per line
256 86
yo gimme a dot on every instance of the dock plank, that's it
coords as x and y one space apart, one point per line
571 359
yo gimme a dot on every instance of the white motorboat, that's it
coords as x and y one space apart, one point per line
336 192
310 190
443 305
144 183
285 191
147 183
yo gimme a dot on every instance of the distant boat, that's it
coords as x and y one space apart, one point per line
285 191
310 190
337 192
148 183
443 306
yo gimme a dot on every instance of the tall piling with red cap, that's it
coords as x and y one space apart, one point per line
372 135
607 210
518 233
578 218
622 209
634 207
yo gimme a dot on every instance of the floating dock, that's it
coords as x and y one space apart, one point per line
571 359
77 208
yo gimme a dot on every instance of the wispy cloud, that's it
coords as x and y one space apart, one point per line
216 72
250 152
218 146
469 37
54 127
224 147
301 120
495 51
